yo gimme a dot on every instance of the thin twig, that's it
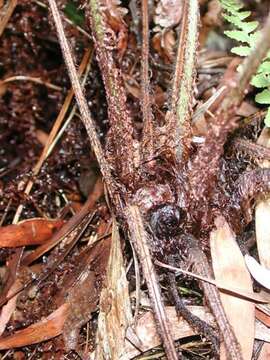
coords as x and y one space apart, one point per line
140 240
9 11
32 79
82 103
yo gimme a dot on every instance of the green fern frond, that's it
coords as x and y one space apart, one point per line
246 33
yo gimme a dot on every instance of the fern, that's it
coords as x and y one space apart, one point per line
246 33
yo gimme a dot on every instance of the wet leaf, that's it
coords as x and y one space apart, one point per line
43 330
28 232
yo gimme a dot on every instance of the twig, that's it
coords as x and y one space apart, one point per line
9 11
32 79
140 240
82 103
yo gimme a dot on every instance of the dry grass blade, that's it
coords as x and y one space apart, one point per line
230 269
139 238
82 103
113 320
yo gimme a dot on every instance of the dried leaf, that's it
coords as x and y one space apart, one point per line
148 338
168 13
229 269
83 295
164 43
115 311
262 213
43 330
258 272
9 308
113 8
265 352
28 232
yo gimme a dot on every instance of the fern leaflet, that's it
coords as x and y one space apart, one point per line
246 33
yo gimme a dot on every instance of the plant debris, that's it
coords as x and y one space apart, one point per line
131 146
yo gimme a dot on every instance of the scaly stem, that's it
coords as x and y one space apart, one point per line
179 118
148 131
120 121
140 239
223 123
82 103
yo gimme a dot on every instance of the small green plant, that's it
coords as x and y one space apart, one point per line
246 33
75 14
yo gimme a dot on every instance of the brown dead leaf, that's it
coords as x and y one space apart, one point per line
145 336
164 43
262 213
8 309
84 285
168 13
43 330
230 269
28 232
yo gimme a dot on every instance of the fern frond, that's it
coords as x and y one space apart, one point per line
246 33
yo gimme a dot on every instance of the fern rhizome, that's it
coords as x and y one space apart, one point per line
246 33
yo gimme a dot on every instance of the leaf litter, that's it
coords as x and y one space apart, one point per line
72 296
